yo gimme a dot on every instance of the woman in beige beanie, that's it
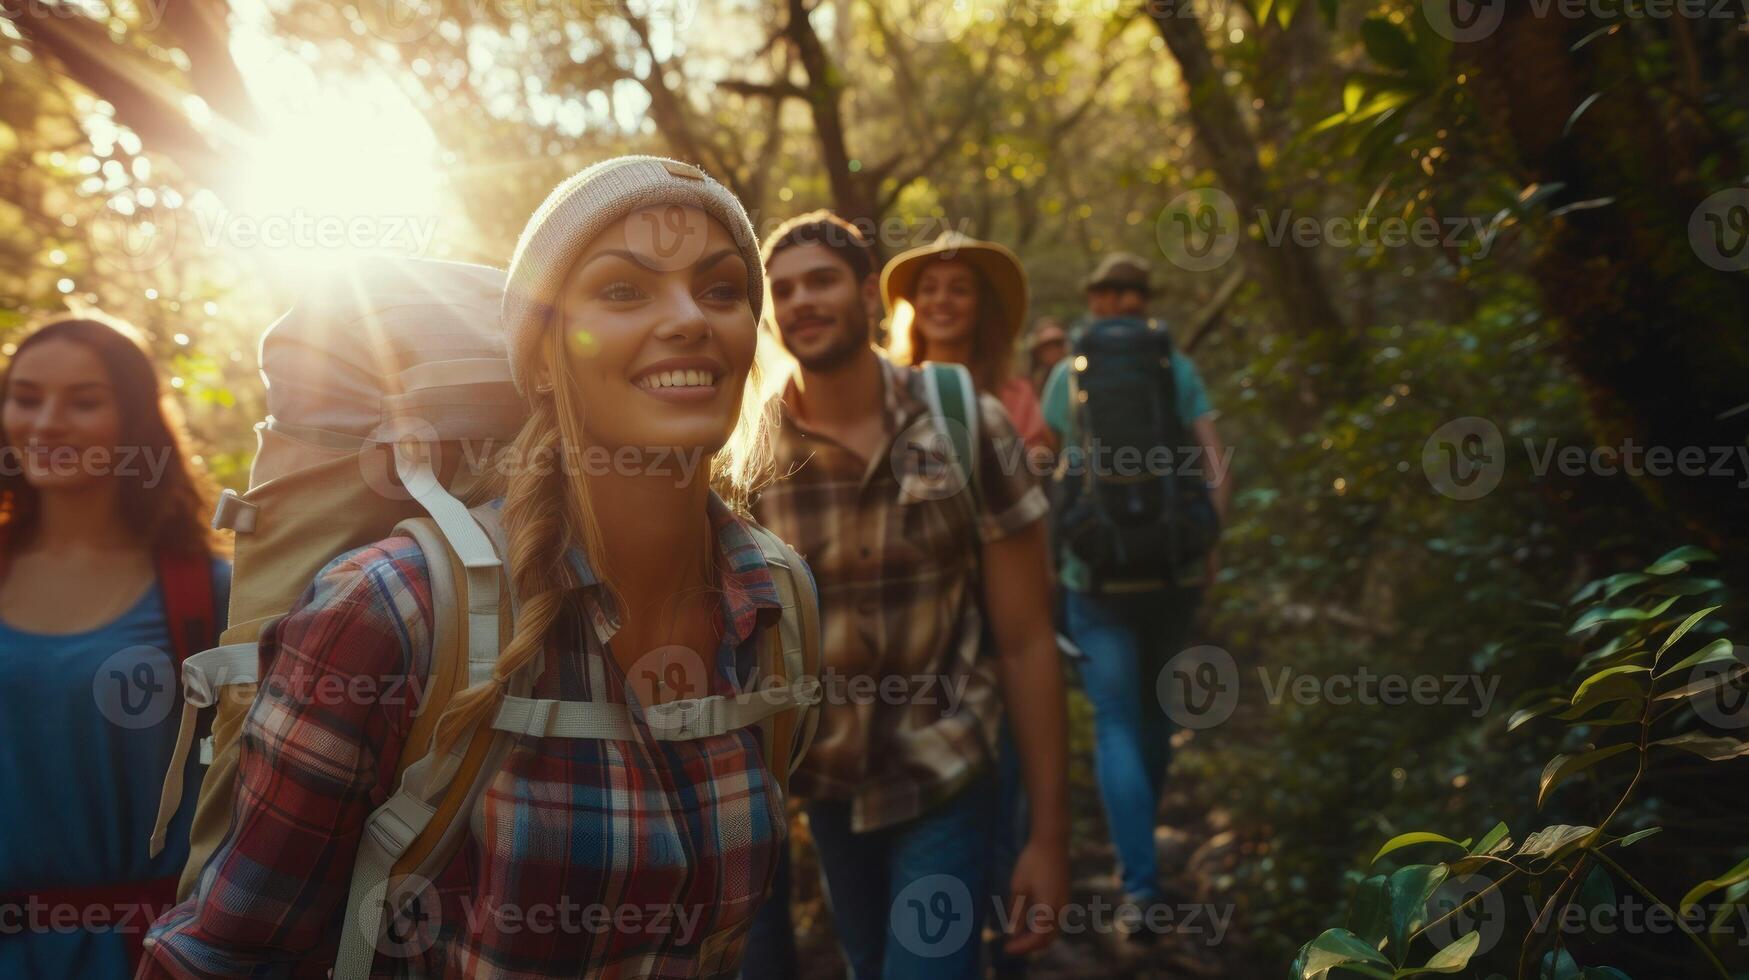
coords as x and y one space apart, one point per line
630 313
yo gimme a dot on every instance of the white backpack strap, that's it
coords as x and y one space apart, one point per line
679 720
466 538
202 676
393 827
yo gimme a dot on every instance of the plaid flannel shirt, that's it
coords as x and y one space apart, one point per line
636 858
912 702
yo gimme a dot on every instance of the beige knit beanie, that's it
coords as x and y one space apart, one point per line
588 203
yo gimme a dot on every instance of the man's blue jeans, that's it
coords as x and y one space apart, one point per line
1126 639
908 901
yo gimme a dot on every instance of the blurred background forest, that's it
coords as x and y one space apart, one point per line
1404 412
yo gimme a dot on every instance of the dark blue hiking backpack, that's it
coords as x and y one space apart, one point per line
1132 501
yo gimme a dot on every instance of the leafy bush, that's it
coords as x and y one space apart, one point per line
1644 691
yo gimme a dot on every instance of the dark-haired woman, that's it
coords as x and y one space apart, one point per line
108 574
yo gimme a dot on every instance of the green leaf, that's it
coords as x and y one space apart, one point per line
1387 44
1492 839
1370 915
1718 748
1523 715
1598 889
1558 965
1703 686
1352 92
1679 560
1718 651
1339 947
1707 887
1411 887
1451 959
1562 766
1678 632
1635 837
1416 837
1567 130
1553 841
1620 683
1613 585
1688 586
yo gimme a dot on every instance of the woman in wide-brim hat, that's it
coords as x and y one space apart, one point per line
962 300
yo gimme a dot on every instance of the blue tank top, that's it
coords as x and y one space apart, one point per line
88 721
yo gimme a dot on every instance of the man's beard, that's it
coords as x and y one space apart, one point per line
845 345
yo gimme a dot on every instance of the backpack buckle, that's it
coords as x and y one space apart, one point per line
678 720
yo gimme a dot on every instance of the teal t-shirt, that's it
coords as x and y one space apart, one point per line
1193 404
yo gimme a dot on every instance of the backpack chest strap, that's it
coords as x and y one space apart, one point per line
674 721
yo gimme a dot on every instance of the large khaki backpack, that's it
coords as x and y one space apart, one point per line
387 392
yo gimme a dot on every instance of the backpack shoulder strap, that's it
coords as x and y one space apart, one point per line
792 656
953 404
185 580
414 831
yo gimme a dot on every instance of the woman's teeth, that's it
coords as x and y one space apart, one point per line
678 379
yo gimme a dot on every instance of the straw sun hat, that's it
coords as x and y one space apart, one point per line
1000 267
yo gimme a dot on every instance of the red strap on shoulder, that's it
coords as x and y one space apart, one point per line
186 581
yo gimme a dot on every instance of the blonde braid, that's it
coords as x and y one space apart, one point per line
533 521
544 512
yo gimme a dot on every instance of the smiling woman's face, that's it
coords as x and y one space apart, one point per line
659 350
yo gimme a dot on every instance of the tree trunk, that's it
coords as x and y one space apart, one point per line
1655 334
1288 272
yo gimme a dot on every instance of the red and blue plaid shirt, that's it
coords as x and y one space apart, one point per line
636 858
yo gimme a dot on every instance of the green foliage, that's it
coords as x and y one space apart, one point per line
1567 864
